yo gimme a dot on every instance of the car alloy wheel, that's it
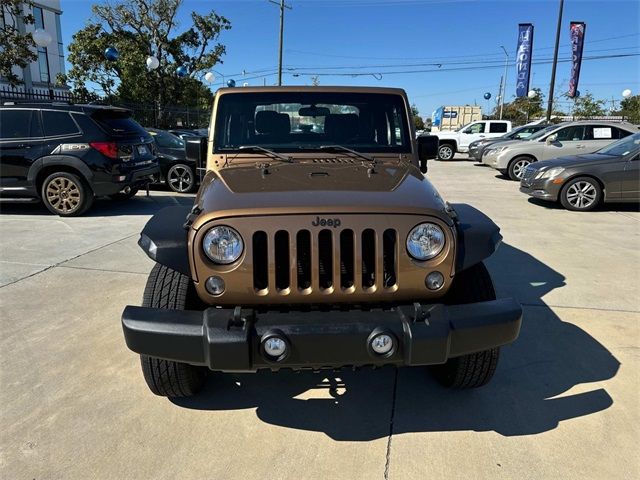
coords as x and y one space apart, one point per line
445 152
63 195
582 195
519 166
180 178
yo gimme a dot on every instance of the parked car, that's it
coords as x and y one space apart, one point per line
477 148
178 172
513 157
459 140
66 155
582 182
183 133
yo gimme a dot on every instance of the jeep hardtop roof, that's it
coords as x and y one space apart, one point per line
307 88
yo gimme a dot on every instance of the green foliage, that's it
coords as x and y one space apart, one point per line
16 49
630 108
522 109
418 122
586 106
138 29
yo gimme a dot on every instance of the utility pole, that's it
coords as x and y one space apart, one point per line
503 81
282 6
555 63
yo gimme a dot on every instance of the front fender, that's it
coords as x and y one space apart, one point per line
478 236
164 239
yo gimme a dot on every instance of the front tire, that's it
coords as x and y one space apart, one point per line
475 369
581 194
446 152
517 167
169 289
66 194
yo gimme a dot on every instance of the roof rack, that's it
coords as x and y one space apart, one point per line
19 101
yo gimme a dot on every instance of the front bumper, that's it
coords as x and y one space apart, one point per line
230 339
542 189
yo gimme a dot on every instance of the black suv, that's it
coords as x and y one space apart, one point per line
66 155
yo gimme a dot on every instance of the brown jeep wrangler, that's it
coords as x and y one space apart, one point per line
315 241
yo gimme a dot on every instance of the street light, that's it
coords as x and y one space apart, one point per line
42 38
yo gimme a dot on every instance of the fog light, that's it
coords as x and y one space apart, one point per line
382 344
275 347
434 281
214 285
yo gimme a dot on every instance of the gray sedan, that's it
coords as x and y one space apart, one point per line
582 182
477 148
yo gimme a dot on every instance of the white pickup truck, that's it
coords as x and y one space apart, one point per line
459 140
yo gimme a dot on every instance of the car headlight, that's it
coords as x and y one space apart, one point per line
550 173
501 149
425 241
223 244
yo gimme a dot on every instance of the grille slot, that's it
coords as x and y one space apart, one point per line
325 259
260 261
389 260
347 259
303 259
281 244
368 258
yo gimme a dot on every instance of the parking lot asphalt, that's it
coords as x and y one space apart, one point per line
565 401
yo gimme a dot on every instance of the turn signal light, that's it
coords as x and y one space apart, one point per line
108 149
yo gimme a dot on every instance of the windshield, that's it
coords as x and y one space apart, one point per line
294 121
542 133
622 147
166 139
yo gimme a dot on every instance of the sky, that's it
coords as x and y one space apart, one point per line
457 42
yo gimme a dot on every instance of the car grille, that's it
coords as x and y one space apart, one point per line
528 175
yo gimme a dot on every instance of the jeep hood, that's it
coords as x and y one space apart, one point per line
312 187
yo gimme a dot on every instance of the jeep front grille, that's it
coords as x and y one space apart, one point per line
325 259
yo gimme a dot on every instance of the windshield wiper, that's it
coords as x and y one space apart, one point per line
345 149
258 148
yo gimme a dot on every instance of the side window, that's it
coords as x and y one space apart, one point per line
619 133
497 127
598 132
570 134
58 123
475 128
14 124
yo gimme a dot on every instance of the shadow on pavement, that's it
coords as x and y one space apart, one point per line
105 207
604 207
527 395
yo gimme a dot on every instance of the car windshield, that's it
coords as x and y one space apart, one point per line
542 133
293 121
166 139
622 147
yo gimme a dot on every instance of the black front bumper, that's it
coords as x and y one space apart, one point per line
231 340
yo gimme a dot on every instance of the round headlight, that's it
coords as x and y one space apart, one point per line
223 244
425 241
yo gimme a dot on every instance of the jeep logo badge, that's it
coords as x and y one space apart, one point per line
326 222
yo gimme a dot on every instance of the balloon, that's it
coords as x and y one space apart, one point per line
487 96
42 37
209 77
152 62
626 93
182 71
231 83
111 54
532 94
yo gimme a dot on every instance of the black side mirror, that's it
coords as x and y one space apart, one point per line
196 151
427 150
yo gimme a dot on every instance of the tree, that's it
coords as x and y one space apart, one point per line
16 49
630 108
587 106
315 80
138 29
418 122
523 109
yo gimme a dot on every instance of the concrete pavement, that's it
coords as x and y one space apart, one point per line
564 401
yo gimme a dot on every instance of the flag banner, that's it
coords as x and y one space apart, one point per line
523 59
576 32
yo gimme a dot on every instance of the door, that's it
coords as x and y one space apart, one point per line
569 141
630 181
473 132
20 146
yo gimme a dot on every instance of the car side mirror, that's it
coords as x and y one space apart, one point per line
552 138
427 150
196 151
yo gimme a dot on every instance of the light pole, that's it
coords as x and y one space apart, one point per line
282 6
555 63
504 83
42 38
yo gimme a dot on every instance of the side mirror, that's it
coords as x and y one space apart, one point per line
552 138
196 151
427 150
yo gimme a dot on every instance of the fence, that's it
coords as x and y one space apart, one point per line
148 115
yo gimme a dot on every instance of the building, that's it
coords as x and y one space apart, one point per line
41 75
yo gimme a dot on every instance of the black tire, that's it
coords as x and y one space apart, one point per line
581 194
169 289
120 196
66 194
181 178
476 369
517 167
446 151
